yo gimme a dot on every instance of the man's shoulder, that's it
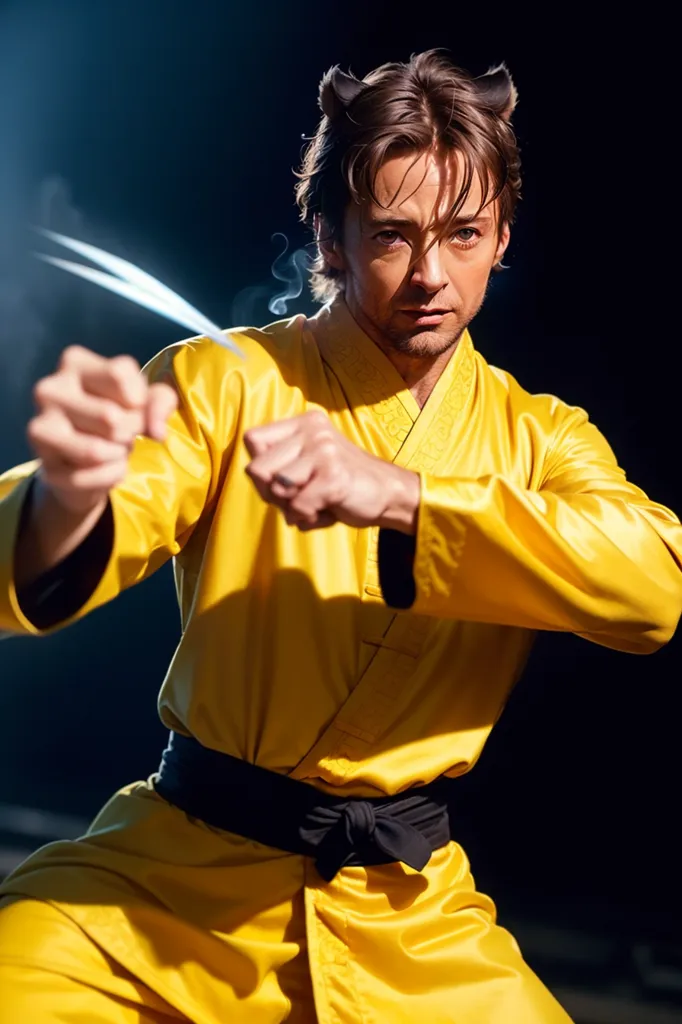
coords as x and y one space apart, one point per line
540 426
278 339
279 345
544 407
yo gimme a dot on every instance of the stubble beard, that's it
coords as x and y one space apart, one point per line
421 342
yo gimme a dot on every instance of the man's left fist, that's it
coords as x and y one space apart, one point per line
317 477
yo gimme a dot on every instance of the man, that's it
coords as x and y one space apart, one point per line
368 524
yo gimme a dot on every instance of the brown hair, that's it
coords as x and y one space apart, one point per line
425 104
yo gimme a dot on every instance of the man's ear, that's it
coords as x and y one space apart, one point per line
329 249
503 242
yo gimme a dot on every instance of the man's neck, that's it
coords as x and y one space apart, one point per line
420 373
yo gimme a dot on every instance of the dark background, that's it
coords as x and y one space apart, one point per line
167 132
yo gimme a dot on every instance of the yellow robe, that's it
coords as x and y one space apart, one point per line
291 658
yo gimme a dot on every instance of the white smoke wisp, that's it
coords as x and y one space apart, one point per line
251 304
56 211
246 304
291 270
32 303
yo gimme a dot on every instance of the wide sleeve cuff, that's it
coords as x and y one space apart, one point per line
58 594
87 578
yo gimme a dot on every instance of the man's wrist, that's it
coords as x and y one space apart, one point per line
403 496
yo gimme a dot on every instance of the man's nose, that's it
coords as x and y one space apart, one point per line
428 271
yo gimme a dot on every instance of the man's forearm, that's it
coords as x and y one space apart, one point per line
49 533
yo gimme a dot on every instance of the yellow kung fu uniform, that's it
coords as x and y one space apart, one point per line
291 658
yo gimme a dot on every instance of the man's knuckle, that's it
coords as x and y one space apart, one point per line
93 450
110 418
35 430
44 389
326 447
252 441
125 365
71 355
125 374
117 471
317 416
119 372
164 395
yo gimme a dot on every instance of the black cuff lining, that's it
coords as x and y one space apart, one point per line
396 563
60 592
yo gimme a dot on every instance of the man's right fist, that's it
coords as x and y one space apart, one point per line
88 415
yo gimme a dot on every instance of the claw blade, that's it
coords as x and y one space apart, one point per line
144 298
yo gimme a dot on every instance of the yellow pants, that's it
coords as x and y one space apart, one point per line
51 972
95 989
153 917
87 985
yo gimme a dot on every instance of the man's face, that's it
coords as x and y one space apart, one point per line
409 291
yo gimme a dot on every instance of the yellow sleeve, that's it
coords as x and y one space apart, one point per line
154 510
587 552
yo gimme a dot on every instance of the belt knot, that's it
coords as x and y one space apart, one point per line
347 833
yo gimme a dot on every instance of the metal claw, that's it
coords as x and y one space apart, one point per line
136 285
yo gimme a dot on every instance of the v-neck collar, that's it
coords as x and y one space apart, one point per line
369 379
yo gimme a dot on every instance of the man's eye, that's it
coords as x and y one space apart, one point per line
470 234
388 237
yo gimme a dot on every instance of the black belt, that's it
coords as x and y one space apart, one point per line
287 814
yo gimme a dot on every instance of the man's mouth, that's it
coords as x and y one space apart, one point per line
424 317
